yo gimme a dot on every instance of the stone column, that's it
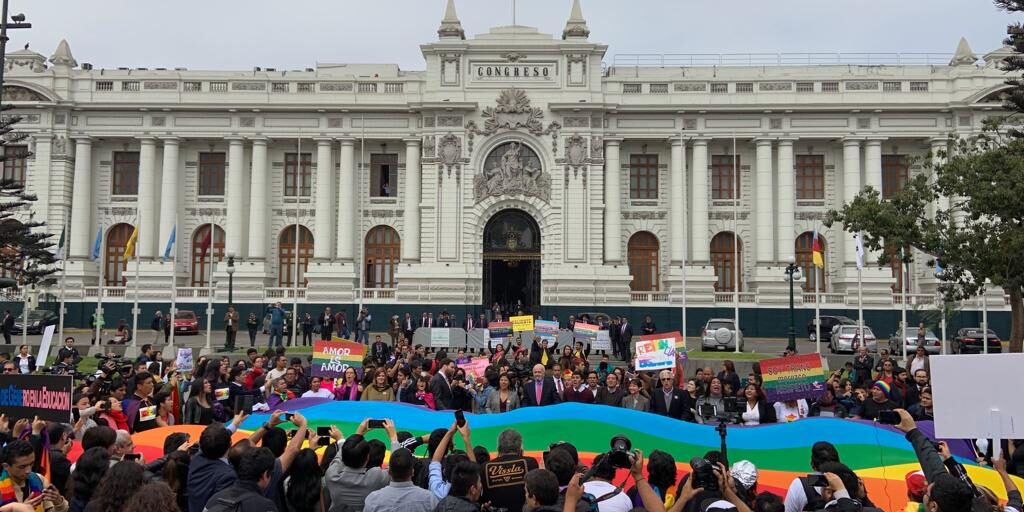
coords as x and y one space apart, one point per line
873 163
763 197
786 204
851 187
169 197
612 202
81 201
258 220
938 144
235 195
677 222
699 194
147 199
347 209
411 220
324 246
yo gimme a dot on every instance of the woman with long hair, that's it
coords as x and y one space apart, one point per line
758 411
423 395
175 475
89 471
301 489
153 497
379 390
349 389
504 398
728 375
199 408
117 487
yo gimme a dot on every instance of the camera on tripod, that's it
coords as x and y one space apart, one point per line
64 369
704 474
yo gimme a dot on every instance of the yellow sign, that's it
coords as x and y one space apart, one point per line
522 323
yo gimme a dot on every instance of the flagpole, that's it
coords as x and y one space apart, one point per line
63 276
359 231
736 244
984 318
298 203
682 265
903 306
209 290
174 286
99 291
819 274
135 308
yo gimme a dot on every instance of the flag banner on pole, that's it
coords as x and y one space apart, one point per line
129 247
170 243
207 241
860 251
819 258
62 249
938 268
97 245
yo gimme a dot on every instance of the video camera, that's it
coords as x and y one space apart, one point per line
114 365
704 474
64 369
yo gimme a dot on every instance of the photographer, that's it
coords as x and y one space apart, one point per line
840 480
946 492
601 486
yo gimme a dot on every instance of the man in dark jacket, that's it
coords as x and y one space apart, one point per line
541 390
246 494
880 400
326 323
945 491
863 364
668 400
465 491
440 385
60 466
209 473
625 340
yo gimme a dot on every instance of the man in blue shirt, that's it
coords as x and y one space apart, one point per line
277 317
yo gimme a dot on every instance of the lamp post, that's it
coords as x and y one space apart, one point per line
793 275
231 278
17 21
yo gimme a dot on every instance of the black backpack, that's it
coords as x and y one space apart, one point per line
814 500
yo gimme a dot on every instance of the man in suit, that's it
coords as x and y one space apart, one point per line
427 320
326 323
541 390
481 321
669 400
446 321
469 324
409 327
625 340
441 384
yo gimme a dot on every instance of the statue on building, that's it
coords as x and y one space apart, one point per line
512 169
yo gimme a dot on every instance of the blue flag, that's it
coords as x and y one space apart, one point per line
170 243
98 244
938 268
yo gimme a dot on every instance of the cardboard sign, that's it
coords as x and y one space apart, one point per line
500 330
332 358
476 366
44 346
656 352
602 342
27 396
547 329
586 333
440 338
793 378
522 323
184 360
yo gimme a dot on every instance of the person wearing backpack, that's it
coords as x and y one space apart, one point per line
609 497
246 494
802 495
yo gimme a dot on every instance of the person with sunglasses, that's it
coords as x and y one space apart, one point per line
668 400
10 368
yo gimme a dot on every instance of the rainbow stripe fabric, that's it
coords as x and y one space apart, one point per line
331 358
879 454
792 378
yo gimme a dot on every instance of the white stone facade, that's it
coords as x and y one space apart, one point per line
554 95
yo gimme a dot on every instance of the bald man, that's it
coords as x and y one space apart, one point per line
540 390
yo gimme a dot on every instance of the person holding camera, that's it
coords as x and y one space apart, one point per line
607 495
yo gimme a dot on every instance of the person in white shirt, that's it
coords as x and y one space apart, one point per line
791 410
279 370
316 391
610 497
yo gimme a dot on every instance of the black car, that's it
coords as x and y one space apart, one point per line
827 323
972 340
38 319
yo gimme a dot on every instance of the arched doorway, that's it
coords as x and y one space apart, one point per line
287 256
383 252
114 261
512 261
204 246
643 262
725 254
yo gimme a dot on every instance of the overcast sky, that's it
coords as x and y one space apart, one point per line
240 34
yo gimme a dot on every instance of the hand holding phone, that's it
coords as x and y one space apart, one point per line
323 432
817 480
372 424
460 418
888 417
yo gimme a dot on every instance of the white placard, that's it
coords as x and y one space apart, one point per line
602 342
963 411
183 363
44 347
440 338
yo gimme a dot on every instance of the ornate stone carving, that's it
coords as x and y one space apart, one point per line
644 215
690 124
597 148
775 86
159 121
15 93
428 122
449 121
26 58
248 86
513 57
507 171
450 150
160 85
60 145
576 155
577 122
691 87
810 215
247 122
513 111
60 119
862 85
336 87
429 143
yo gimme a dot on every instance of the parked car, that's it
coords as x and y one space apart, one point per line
38 319
932 344
845 338
827 323
972 340
721 334
185 322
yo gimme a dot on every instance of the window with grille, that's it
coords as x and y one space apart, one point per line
306 87
918 86
810 177
105 85
206 245
745 87
725 253
805 260
131 86
193 86
642 251
892 86
287 255
643 176
384 175
383 253
830 87
211 173
895 174
394 88
659 88
805 87
723 174
719 88
218 87
632 88
297 176
279 87
368 87
125 173
15 163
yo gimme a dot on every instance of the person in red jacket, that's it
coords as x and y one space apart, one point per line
579 391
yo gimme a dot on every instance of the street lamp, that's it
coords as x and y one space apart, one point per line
17 21
793 275
231 278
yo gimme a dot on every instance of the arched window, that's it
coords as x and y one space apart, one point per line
724 257
643 262
114 262
287 255
383 252
805 260
203 242
10 261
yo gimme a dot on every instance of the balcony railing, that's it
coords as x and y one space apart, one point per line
914 299
825 298
779 59
284 293
648 296
109 292
375 293
194 292
730 298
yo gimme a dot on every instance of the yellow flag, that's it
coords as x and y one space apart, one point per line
129 248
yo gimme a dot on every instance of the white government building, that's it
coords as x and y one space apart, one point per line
516 166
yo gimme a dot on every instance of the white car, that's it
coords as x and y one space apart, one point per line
720 334
847 338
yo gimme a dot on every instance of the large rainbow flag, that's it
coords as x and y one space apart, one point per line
331 358
879 454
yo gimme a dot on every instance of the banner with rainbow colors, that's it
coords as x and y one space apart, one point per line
586 333
332 358
500 330
793 378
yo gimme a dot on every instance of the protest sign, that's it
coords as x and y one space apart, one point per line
546 329
522 323
792 378
603 341
332 358
44 346
27 396
476 366
500 330
183 363
440 338
586 333
656 352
